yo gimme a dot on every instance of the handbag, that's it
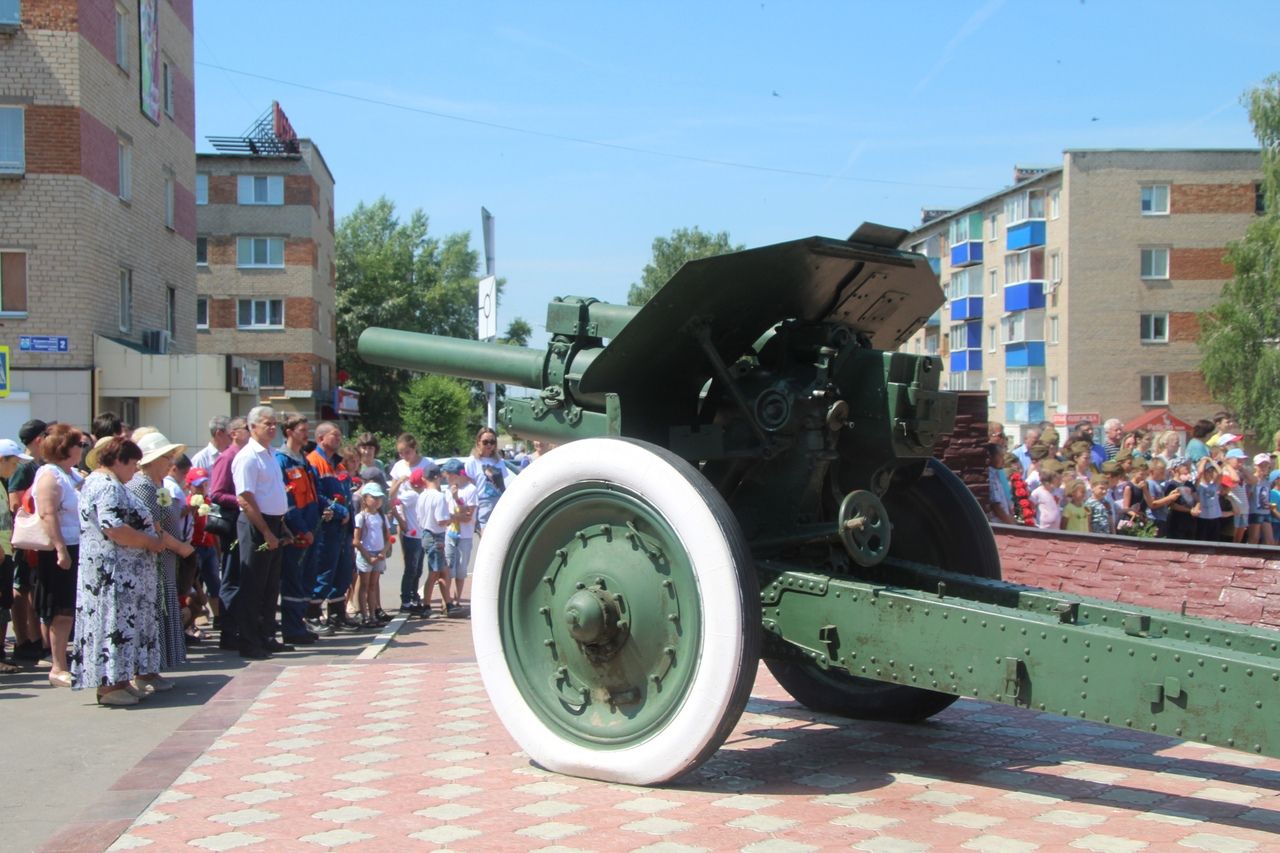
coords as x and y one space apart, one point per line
217 522
29 533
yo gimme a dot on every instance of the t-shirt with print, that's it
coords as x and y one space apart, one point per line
466 497
373 534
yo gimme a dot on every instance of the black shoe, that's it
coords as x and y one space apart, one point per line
381 616
314 635
349 624
274 646
229 643
298 640
27 651
251 653
325 629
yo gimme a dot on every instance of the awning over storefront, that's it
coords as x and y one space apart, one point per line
1158 420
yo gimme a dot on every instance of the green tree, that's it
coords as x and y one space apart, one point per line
1240 336
392 274
517 334
438 411
671 253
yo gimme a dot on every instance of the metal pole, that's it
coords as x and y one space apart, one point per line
490 264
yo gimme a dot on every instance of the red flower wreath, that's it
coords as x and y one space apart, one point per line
1020 492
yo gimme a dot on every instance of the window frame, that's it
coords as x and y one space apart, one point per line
993 386
273 194
1055 204
166 86
19 166
202 188
252 252
254 303
1051 395
11 312
263 368
124 168
993 282
1142 256
124 315
122 38
202 302
205 242
1147 322
1147 388
171 310
991 226
1142 199
169 201
1051 330
991 335
1055 267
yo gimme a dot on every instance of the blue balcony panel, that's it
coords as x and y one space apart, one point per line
935 264
935 319
966 308
966 359
1028 354
964 254
1024 235
1024 413
1024 296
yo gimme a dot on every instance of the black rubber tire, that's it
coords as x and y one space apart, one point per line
937 521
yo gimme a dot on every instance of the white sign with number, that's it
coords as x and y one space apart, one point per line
487 309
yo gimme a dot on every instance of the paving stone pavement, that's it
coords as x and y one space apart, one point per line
405 755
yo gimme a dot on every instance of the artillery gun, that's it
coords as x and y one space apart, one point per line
746 474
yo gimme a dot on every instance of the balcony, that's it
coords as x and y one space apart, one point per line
971 381
966 253
1024 295
968 308
935 320
1024 235
1024 413
965 359
1025 354
10 16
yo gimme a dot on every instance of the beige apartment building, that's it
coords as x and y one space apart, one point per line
265 270
1075 293
97 209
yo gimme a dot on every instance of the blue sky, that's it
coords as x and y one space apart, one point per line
834 113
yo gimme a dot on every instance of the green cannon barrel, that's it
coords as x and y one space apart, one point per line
453 357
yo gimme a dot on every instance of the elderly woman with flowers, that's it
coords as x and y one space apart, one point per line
147 487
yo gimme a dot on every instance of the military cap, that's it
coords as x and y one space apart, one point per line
1038 451
1123 454
1052 466
1079 447
1049 437
1010 460
1111 467
1099 480
1140 464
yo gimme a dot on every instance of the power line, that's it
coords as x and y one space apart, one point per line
690 158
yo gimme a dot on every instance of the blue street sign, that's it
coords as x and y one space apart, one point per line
43 343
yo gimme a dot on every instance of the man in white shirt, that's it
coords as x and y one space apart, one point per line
219 440
433 521
259 486
460 499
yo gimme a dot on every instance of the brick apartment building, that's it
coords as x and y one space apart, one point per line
1076 291
266 274
97 203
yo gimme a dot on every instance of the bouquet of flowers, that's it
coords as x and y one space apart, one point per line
1022 507
1140 527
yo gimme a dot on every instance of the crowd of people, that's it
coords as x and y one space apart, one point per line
1138 483
120 550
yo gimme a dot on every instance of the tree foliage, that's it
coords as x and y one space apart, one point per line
1240 336
438 411
671 253
393 274
518 333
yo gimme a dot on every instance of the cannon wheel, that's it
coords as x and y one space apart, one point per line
615 613
935 521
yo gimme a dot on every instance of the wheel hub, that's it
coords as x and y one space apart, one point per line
594 617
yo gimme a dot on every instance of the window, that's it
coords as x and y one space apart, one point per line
124 157
1153 328
202 188
1053 390
1259 199
991 338
1053 329
958 337
1155 390
991 226
1055 204
13 283
260 189
991 393
171 310
994 285
202 251
1015 209
167 83
1155 263
1035 204
1022 326
126 300
1055 267
1155 200
168 201
1023 266
259 252
1023 386
202 312
271 374
964 283
122 38
13 160
260 314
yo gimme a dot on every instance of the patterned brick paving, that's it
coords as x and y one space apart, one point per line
400 755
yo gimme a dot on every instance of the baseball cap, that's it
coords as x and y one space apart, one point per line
416 477
1236 453
453 466
32 430
1262 458
196 476
1227 438
374 489
9 447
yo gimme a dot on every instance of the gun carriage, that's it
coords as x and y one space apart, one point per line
746 475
